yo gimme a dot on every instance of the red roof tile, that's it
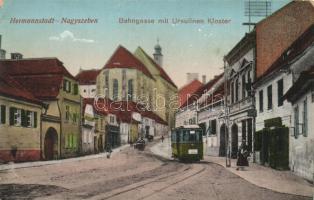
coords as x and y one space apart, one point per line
126 108
217 96
122 58
41 76
188 90
196 95
36 66
87 77
295 49
162 72
11 88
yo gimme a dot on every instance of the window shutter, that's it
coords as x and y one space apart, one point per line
71 140
69 86
64 85
12 111
74 141
75 89
3 114
35 119
23 118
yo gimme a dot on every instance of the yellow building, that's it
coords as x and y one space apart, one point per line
163 85
19 122
137 77
48 80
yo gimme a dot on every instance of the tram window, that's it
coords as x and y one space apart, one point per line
185 136
193 136
173 136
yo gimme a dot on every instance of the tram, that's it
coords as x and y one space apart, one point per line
187 143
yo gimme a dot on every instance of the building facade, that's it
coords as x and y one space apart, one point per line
301 96
210 111
240 73
49 81
20 115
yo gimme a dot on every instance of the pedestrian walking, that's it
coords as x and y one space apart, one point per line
243 154
162 138
108 150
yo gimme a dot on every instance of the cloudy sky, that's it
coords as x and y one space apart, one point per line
186 47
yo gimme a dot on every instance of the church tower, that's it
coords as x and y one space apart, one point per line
157 54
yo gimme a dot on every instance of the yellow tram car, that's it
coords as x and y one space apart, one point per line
187 143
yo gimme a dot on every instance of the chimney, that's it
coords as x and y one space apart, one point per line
204 79
2 51
191 77
16 56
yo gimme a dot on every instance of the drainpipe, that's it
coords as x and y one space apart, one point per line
253 100
60 146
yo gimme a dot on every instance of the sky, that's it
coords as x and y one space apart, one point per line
186 47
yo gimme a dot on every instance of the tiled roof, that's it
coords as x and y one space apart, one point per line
126 108
188 90
41 76
122 58
294 50
196 95
162 72
87 77
217 96
36 66
11 88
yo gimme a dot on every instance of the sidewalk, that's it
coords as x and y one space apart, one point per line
264 177
11 166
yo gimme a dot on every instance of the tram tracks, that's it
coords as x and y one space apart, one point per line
148 188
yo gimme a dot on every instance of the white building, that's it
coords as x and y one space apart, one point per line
271 87
87 82
186 115
88 128
301 95
210 109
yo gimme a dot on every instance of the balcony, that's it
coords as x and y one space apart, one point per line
243 104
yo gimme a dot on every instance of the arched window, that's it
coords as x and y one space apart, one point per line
130 89
115 89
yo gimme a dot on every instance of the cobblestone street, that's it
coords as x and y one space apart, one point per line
130 174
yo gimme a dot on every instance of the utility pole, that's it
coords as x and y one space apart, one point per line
228 160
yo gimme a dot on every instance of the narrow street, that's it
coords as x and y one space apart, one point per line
130 174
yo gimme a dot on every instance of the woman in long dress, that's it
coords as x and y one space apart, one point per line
243 154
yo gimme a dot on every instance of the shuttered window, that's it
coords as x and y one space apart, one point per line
261 101
305 122
270 97
3 114
75 89
280 92
296 121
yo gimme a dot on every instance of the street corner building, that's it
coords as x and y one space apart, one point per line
58 117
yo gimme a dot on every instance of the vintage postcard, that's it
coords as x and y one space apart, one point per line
157 99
